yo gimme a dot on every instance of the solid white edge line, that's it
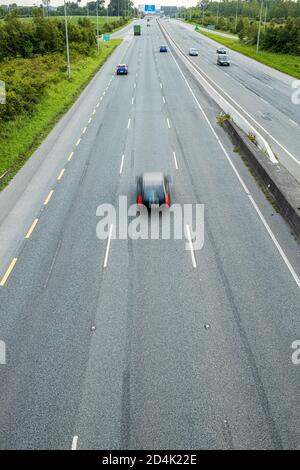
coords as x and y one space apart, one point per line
107 247
175 160
276 243
191 246
74 442
283 255
263 100
121 167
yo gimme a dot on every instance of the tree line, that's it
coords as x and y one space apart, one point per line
33 56
274 9
40 36
115 8
278 34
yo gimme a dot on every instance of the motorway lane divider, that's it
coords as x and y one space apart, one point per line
280 184
222 102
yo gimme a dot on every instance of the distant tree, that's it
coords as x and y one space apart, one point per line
122 6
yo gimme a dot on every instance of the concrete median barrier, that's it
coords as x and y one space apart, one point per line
282 186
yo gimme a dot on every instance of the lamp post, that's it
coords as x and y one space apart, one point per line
265 22
203 6
236 15
97 25
67 42
259 27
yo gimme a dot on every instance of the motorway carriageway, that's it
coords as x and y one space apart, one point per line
144 344
262 94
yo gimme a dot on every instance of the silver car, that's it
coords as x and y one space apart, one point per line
223 59
193 51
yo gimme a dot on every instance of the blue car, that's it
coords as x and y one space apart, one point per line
163 49
122 69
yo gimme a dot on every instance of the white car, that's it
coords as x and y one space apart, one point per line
193 51
221 50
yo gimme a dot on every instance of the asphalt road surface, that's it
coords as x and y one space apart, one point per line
144 344
262 94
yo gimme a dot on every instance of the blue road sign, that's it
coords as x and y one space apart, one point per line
150 8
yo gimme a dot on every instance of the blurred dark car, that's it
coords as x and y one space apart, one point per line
221 50
163 49
153 189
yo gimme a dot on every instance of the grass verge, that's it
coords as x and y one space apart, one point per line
286 63
20 137
216 29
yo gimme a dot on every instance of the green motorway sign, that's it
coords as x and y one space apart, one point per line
106 37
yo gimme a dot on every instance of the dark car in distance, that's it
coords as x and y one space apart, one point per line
163 49
221 50
122 69
153 189
223 59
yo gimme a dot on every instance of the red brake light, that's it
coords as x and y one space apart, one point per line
140 200
167 200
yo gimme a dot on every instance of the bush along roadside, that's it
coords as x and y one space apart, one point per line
38 94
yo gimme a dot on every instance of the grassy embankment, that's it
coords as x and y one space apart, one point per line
21 136
216 29
286 63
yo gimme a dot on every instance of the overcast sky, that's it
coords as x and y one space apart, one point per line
83 2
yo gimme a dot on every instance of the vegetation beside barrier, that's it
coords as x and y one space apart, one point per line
38 92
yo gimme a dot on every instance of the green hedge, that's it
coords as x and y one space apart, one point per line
39 94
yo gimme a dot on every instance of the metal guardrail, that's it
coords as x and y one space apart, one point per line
210 87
